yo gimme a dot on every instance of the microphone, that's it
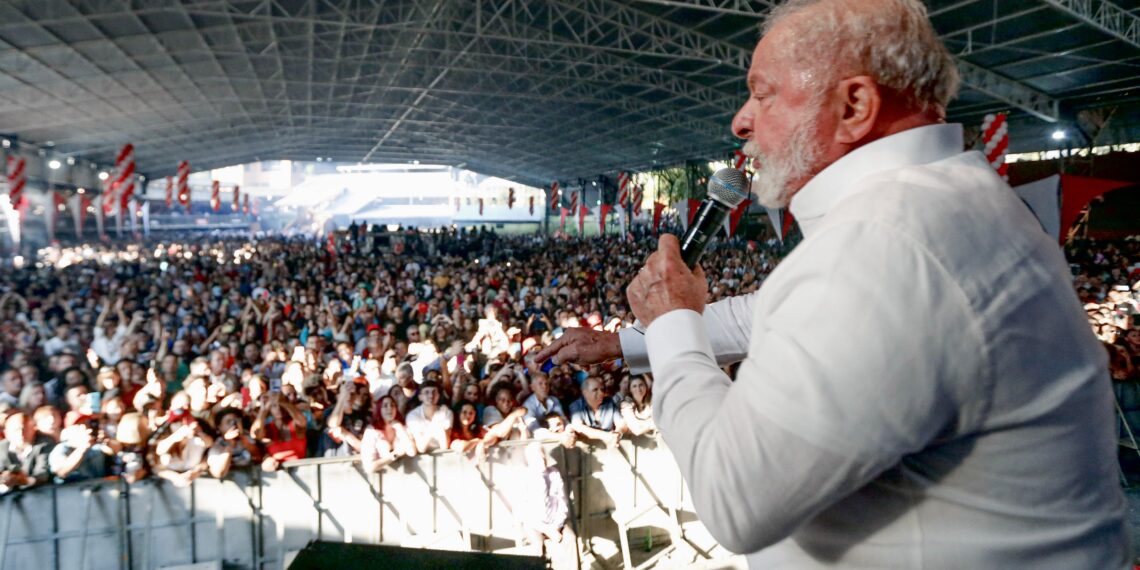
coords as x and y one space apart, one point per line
727 189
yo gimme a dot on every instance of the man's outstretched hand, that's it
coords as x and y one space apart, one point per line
582 346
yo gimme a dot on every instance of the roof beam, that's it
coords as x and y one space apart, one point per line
993 84
1104 16
1009 91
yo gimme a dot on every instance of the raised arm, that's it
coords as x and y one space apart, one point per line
727 322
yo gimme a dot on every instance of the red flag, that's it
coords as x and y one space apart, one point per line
532 205
562 224
735 215
694 205
658 207
555 196
169 191
510 198
216 195
582 211
603 211
738 159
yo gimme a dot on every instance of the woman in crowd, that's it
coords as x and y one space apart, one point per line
386 440
637 407
467 436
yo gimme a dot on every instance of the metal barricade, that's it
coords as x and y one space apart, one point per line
260 520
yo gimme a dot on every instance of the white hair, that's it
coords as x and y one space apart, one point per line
891 41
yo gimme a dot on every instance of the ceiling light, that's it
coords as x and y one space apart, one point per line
7 143
103 175
1058 135
54 164
70 160
80 190
319 159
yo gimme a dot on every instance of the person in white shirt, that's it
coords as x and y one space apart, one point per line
429 424
109 336
918 387
64 339
539 404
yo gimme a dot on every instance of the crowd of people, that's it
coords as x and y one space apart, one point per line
189 359
1107 280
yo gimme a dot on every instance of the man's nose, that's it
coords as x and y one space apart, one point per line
742 122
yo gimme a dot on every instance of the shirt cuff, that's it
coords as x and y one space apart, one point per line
633 349
674 333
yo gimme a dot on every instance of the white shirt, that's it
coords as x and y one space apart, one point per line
536 410
919 387
108 348
421 428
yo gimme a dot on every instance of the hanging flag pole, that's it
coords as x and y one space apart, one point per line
216 195
184 184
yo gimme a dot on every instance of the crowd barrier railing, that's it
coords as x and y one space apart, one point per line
254 519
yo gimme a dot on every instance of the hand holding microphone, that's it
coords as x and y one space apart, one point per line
668 281
671 278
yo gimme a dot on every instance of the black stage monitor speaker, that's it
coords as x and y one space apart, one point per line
331 555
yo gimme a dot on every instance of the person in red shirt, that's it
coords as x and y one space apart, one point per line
281 427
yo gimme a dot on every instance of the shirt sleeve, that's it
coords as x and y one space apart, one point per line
846 374
728 323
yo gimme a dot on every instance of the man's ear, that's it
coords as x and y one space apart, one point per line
860 101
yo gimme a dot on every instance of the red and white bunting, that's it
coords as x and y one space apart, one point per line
480 206
216 195
237 199
995 136
245 205
184 184
510 198
574 201
623 189
110 203
532 205
169 191
638 194
555 196
17 180
124 183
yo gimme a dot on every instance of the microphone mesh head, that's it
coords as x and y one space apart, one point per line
728 186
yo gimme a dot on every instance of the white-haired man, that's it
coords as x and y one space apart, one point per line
918 387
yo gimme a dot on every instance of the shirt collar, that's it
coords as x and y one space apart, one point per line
920 145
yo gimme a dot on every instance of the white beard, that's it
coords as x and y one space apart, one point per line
793 162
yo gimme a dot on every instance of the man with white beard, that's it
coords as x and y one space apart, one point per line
918 387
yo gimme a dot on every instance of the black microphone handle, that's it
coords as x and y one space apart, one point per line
707 222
